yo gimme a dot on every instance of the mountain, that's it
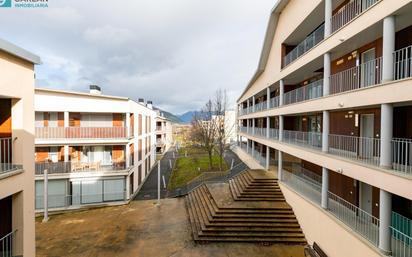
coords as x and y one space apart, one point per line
187 116
169 115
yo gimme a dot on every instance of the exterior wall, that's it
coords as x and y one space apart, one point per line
17 83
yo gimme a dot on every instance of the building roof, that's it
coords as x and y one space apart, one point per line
19 52
267 43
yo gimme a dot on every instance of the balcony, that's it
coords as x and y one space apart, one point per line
310 91
402 63
78 167
260 132
365 75
6 164
308 43
349 12
306 139
274 102
59 133
243 129
260 106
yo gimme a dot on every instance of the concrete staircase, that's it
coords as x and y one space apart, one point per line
245 187
241 222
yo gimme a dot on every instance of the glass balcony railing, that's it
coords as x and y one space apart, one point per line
74 166
81 132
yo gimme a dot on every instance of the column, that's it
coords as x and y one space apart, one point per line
248 105
247 126
326 73
253 126
268 127
386 135
268 98
66 153
253 103
280 165
385 212
280 127
281 92
128 124
253 148
267 157
325 188
127 187
325 131
66 119
247 145
127 156
328 17
388 47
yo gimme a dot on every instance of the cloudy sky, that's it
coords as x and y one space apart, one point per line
174 52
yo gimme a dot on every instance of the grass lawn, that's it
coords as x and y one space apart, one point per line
186 168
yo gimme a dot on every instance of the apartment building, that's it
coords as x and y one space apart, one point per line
97 149
330 106
164 133
17 236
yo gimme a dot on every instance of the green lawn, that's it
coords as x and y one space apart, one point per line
186 168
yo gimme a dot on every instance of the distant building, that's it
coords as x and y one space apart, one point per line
97 149
164 133
330 108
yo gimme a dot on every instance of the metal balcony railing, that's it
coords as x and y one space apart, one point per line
358 220
350 11
259 158
274 102
260 132
308 43
402 155
243 129
81 132
274 133
306 139
68 167
401 243
402 67
310 91
261 106
362 149
365 75
6 160
7 244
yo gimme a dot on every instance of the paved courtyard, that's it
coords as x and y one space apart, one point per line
138 229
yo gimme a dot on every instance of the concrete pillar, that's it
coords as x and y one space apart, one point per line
127 187
66 119
280 165
253 103
247 126
267 157
388 47
325 188
66 153
328 17
385 212
253 126
281 92
128 124
247 145
268 98
248 104
280 127
268 127
386 135
253 148
127 156
325 131
326 74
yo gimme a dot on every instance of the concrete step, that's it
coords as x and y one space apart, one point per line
254 240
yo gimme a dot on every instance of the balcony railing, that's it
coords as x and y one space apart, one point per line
7 244
81 132
307 139
274 133
259 158
260 106
362 149
260 132
308 43
354 217
365 75
402 67
401 244
243 129
6 162
310 91
77 167
274 102
402 155
350 11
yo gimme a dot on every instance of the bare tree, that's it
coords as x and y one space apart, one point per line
222 127
204 130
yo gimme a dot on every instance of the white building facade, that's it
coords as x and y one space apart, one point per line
97 149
